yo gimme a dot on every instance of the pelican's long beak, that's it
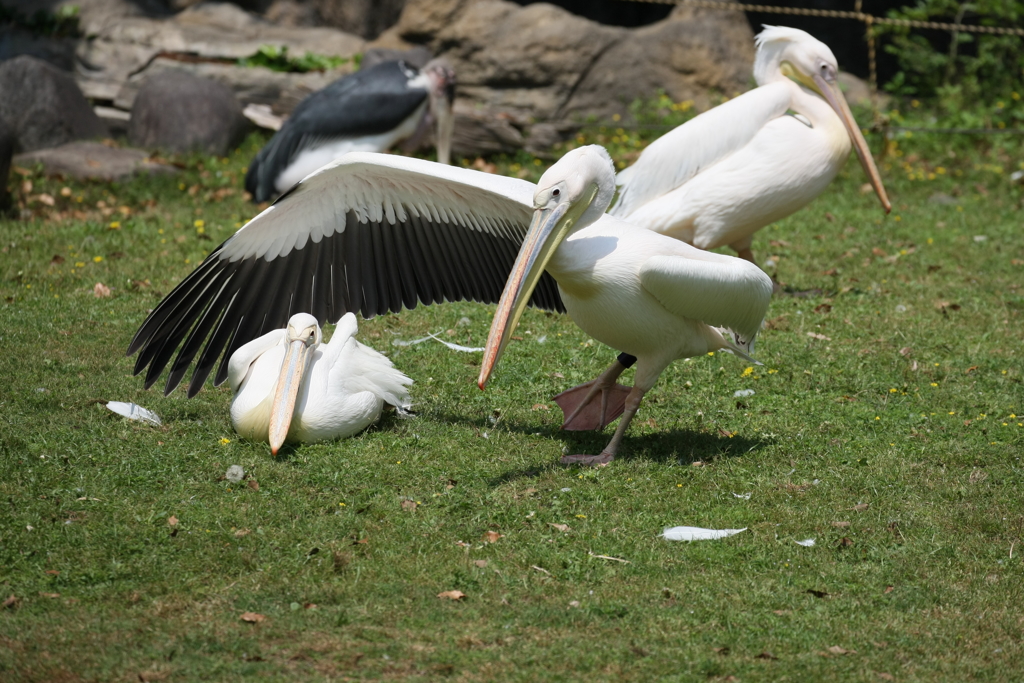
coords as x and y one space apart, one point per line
547 230
442 99
442 110
288 384
832 94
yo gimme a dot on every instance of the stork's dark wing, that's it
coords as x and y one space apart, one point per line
370 233
368 102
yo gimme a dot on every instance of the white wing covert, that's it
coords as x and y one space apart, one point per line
730 293
676 157
369 233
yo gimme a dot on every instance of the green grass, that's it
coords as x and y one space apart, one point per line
901 423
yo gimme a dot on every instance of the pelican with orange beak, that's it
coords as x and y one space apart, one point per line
722 176
646 294
289 386
725 174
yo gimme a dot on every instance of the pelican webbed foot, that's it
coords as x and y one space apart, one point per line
581 409
588 460
632 404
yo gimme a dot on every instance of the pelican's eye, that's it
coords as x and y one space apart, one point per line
555 192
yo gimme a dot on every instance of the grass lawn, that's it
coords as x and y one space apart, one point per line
887 424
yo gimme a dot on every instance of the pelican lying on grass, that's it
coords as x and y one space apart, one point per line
722 176
290 387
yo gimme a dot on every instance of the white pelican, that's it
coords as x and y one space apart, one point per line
370 110
655 297
376 233
722 176
290 387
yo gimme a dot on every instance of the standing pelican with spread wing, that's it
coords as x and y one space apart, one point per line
657 298
375 233
722 176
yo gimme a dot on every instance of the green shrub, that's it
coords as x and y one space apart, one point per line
964 71
276 58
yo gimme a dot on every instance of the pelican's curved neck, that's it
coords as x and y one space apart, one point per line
818 111
768 63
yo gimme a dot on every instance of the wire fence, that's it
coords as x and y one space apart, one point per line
869 21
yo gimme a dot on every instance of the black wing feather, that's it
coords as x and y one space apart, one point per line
366 267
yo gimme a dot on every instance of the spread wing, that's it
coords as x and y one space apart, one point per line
370 233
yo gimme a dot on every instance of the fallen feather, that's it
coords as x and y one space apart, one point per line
235 474
134 412
453 347
452 595
742 393
742 496
693 533
609 557
807 543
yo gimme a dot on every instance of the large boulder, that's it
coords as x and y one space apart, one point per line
210 33
43 105
6 152
94 161
544 63
690 55
366 18
181 112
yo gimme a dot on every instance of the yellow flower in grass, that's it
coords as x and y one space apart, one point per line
225 441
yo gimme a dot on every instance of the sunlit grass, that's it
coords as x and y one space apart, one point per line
887 423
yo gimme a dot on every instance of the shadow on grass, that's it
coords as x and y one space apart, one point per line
672 446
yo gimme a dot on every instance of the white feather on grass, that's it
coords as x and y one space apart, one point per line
135 412
453 347
693 533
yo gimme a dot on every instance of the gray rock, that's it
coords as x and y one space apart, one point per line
58 51
6 152
215 32
482 132
417 56
521 60
546 64
689 55
93 160
251 85
366 18
43 105
542 137
292 13
181 112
